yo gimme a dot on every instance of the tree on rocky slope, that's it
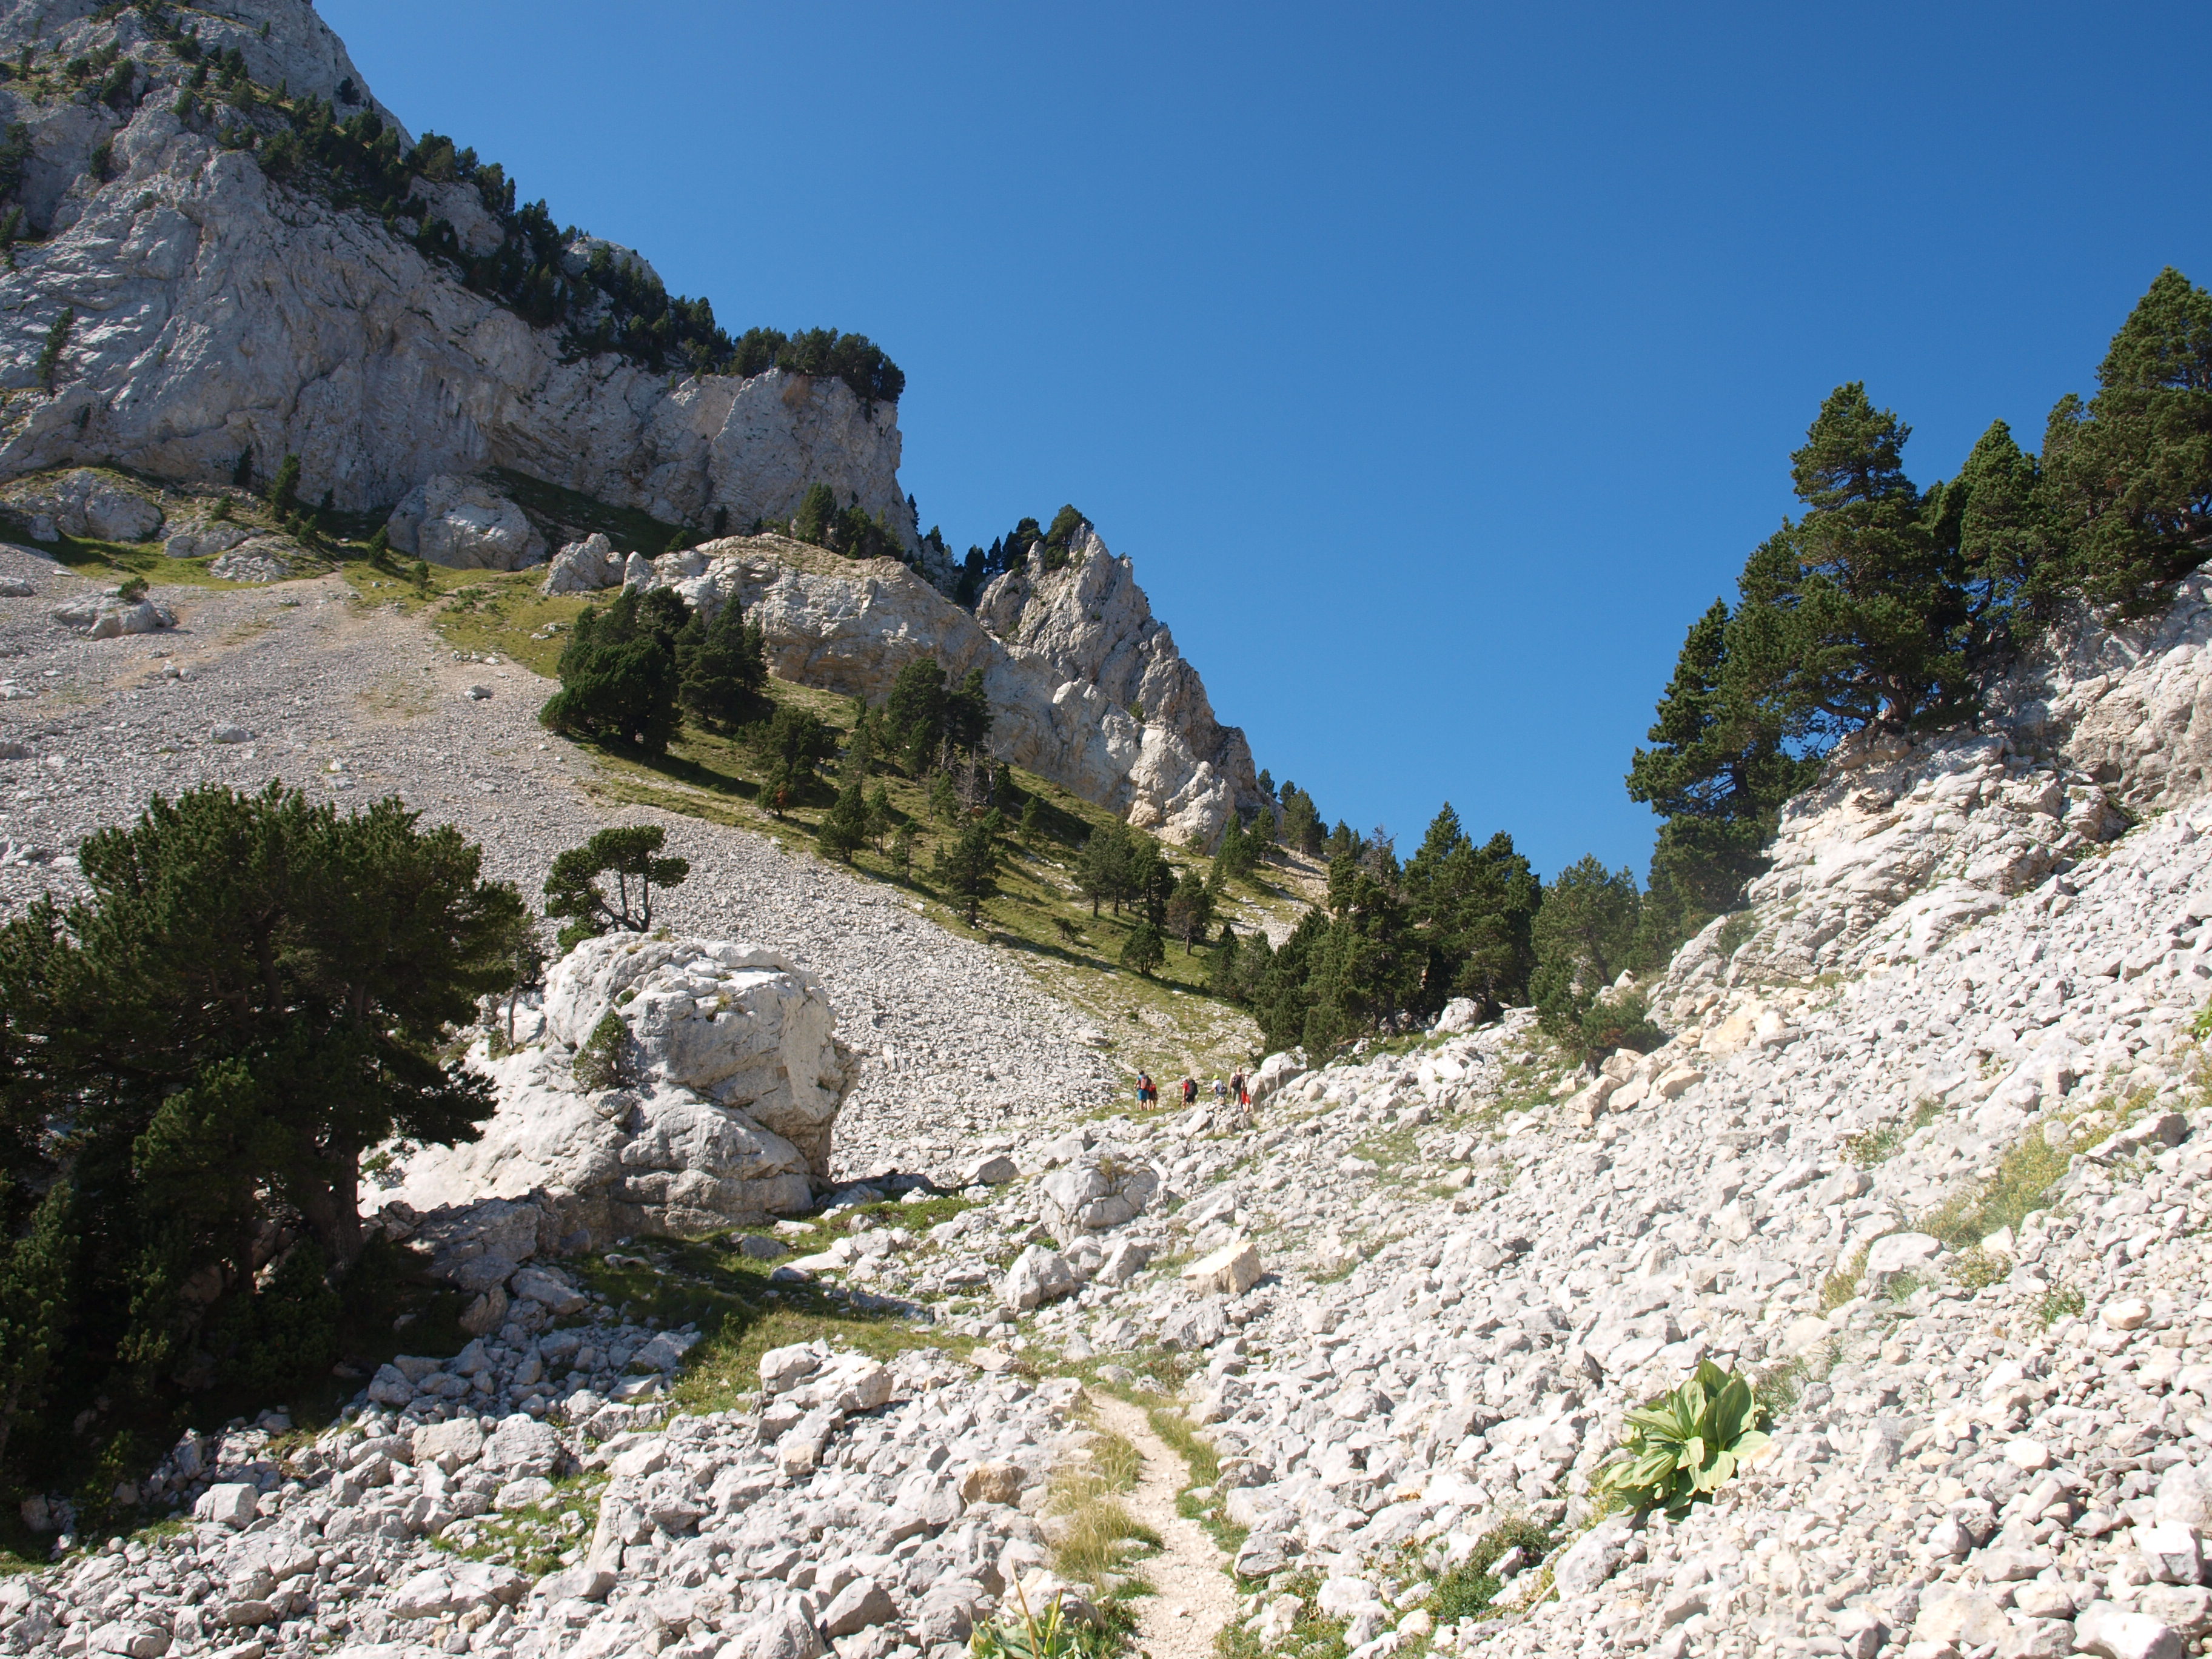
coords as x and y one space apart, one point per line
1855 614
2130 470
1472 909
1717 773
256 992
723 668
1586 935
631 854
968 865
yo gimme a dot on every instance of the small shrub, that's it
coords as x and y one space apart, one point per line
2023 1174
1684 1445
1736 931
599 1061
1902 1285
1978 1268
132 590
1841 1285
1878 1145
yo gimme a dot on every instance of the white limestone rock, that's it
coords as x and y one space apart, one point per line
86 503
465 525
1066 657
585 566
743 1026
109 616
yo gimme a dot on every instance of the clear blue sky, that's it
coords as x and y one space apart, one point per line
1436 365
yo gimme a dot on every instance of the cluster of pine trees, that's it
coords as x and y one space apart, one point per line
1891 607
929 729
632 672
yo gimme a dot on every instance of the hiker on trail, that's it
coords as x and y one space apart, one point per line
1146 1094
1190 1091
1220 1092
1237 1088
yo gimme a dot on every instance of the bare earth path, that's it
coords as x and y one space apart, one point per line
1193 1598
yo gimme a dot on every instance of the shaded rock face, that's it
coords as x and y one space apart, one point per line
732 1077
219 314
1068 657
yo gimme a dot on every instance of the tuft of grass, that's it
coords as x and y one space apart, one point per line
2060 1302
1471 1587
2023 1174
1841 1285
1978 1268
1877 1145
1902 1285
1100 1537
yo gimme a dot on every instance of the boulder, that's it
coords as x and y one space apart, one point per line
1900 1253
585 566
84 503
464 525
2115 1632
109 616
743 1026
1231 1270
1037 1276
1100 1189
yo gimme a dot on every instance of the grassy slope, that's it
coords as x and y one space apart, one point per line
1166 1022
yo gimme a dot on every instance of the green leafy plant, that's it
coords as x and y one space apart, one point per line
1687 1443
1052 1638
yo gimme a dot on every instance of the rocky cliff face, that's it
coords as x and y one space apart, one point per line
1068 657
219 314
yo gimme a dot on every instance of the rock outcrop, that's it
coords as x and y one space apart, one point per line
219 314
1900 843
1070 660
462 523
726 1078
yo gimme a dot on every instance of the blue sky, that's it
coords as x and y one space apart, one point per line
1436 365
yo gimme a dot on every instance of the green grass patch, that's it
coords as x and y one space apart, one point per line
534 1540
2060 1302
741 1315
2023 1174
1878 1145
1467 1589
1841 1285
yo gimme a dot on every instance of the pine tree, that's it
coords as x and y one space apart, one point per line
1855 615
632 856
881 817
1143 950
903 850
618 671
844 827
967 865
1586 936
794 742
1717 774
1189 909
944 804
817 513
723 673
914 716
1032 825
254 992
2130 470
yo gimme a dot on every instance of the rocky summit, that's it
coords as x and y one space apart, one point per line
606 1052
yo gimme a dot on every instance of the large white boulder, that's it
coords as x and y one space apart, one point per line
732 1076
465 525
83 502
742 1025
1097 1191
107 616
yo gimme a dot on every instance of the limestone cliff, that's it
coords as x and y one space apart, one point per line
1070 657
218 314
